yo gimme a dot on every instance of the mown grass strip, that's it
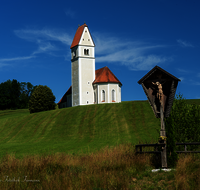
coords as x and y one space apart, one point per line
81 128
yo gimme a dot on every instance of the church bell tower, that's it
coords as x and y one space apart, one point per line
82 67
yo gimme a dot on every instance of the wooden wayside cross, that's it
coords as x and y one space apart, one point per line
160 88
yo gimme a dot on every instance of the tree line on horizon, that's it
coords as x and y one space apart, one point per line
15 95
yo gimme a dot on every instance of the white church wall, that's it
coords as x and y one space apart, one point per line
75 83
120 95
95 94
86 79
108 87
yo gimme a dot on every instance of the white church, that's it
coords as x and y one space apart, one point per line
89 86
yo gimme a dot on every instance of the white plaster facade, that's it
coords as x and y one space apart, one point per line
107 93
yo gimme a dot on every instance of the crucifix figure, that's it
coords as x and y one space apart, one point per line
159 83
159 92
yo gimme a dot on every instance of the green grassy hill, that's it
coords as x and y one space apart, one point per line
81 129
193 101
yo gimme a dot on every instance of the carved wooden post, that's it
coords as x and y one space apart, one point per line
163 139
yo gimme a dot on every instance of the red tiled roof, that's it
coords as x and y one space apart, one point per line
78 35
104 75
64 99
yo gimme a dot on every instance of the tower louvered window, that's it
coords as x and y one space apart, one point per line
86 51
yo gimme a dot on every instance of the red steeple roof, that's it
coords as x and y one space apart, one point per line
104 75
78 35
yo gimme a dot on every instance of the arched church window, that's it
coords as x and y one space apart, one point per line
113 95
103 95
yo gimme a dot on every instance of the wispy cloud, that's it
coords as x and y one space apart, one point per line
45 35
198 74
70 13
48 40
5 61
183 71
108 44
184 43
43 38
44 47
196 83
3 64
136 55
15 59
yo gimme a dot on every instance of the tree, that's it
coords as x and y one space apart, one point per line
42 99
5 95
9 94
14 94
183 125
26 90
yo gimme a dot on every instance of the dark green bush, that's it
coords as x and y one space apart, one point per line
183 125
42 99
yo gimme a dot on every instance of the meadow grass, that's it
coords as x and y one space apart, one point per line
109 168
75 130
193 101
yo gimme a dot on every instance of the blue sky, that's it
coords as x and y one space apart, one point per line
131 37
